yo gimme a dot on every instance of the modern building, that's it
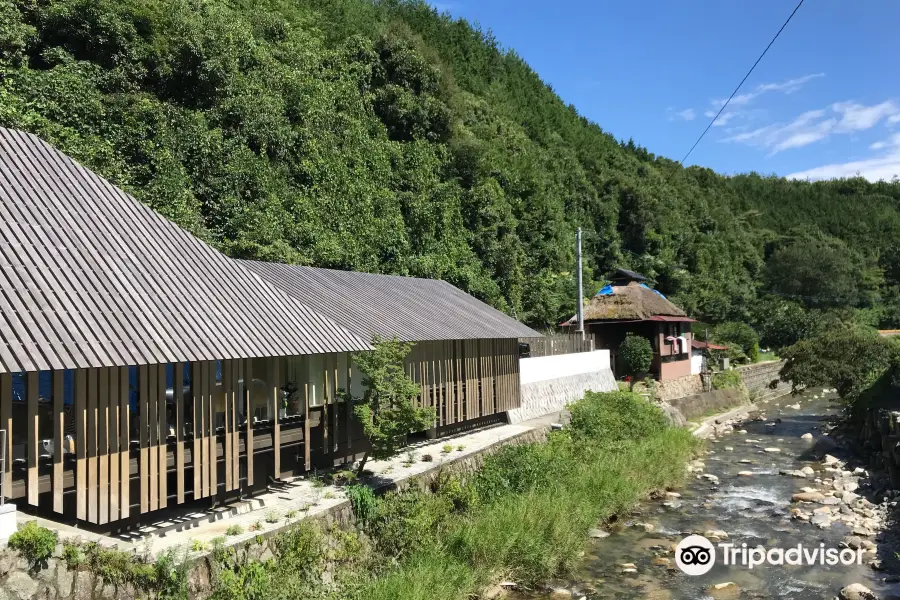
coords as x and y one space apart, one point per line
629 305
141 369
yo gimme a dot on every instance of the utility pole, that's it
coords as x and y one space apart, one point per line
580 290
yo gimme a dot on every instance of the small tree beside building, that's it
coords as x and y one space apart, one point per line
636 354
388 410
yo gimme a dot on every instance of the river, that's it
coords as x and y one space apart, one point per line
637 559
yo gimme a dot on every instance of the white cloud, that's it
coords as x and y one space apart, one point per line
856 117
788 87
816 125
688 114
894 119
884 167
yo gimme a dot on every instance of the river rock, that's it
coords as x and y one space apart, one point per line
715 533
711 477
745 473
831 460
662 561
853 541
824 445
771 450
806 436
724 591
560 594
598 534
821 520
493 592
673 495
808 497
857 591
808 471
794 406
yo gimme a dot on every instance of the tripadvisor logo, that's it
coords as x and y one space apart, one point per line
696 555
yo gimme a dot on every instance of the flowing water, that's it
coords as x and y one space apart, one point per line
750 509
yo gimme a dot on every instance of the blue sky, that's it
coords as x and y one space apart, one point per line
824 102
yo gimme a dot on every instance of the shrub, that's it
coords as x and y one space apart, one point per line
447 449
614 417
35 543
272 517
198 546
636 354
463 496
406 521
740 338
234 530
726 380
363 501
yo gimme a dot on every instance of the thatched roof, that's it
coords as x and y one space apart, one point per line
632 302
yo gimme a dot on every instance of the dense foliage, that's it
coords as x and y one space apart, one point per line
635 354
382 136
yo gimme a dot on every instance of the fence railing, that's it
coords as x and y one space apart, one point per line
552 345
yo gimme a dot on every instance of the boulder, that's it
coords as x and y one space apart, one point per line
806 436
808 497
857 591
824 445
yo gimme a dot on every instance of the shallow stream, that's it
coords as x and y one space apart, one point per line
751 508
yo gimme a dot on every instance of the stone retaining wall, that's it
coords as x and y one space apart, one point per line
709 403
758 377
688 385
547 397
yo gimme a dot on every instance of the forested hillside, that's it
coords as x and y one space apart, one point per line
386 137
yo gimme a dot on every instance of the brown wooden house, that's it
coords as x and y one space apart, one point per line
140 369
629 305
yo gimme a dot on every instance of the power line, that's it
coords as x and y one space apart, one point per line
742 81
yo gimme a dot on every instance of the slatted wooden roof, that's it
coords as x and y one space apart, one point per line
90 277
410 308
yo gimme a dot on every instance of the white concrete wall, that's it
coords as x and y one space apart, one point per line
697 360
545 368
549 383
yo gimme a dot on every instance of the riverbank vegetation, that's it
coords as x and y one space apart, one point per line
523 516
383 136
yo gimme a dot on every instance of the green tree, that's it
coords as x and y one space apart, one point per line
388 410
849 359
636 354
741 339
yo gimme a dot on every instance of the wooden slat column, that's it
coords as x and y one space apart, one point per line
92 420
124 443
197 427
103 445
144 435
113 438
325 411
153 425
81 443
163 425
232 400
6 423
307 463
59 429
33 451
248 385
275 364
178 392
226 389
336 401
211 446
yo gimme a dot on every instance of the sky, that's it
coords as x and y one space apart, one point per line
823 103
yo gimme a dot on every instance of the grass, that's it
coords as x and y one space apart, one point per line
523 516
764 356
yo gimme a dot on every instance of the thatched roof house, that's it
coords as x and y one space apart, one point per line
629 306
628 298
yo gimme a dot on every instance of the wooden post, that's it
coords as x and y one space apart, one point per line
144 434
248 386
59 429
178 392
103 444
124 442
31 393
212 445
153 425
306 441
93 419
325 422
276 433
226 388
113 442
6 423
162 408
81 443
235 435
197 428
